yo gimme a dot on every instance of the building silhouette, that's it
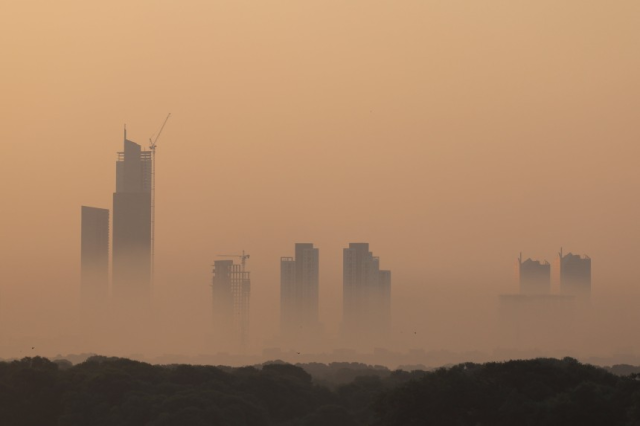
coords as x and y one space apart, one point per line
231 290
575 275
366 293
94 257
534 277
534 318
299 280
131 277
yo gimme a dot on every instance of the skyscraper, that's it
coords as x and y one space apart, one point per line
231 290
366 292
132 225
94 257
299 280
534 277
575 275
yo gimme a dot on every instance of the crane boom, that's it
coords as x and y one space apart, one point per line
155 141
242 256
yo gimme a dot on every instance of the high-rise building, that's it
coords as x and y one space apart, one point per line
94 257
534 277
231 289
575 275
299 280
132 225
366 292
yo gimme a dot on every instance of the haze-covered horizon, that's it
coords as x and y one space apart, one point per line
450 136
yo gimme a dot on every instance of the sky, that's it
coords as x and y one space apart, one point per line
450 135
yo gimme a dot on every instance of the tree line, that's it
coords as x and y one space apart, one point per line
115 391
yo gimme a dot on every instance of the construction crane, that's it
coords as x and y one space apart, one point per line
152 147
242 256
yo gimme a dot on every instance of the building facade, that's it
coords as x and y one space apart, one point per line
534 277
132 225
299 284
231 291
366 292
575 275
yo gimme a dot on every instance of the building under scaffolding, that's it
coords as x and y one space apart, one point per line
231 289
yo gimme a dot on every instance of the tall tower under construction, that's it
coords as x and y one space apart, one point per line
132 225
299 279
231 290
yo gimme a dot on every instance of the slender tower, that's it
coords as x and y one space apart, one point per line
132 225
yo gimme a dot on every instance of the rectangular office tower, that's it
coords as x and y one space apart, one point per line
299 280
366 292
575 275
132 225
94 257
534 277
231 290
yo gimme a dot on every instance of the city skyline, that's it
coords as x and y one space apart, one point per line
449 135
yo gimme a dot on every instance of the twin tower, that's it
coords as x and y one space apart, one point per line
366 293
132 236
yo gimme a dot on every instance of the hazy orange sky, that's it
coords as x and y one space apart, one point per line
450 135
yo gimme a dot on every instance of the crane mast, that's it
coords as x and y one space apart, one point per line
152 147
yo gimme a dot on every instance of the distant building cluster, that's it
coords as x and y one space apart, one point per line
366 296
536 316
366 288
573 272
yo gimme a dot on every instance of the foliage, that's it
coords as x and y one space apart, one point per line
532 392
114 391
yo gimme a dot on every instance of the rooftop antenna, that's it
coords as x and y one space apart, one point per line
152 146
